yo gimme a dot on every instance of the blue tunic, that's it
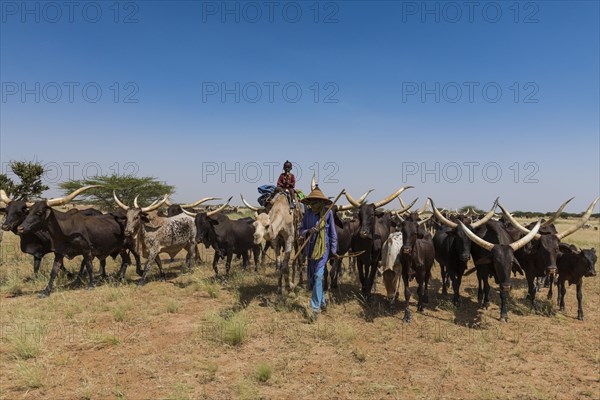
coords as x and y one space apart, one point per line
309 221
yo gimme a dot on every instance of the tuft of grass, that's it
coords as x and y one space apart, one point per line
31 375
212 290
180 392
546 307
120 311
172 307
246 390
263 372
359 355
107 339
24 347
12 284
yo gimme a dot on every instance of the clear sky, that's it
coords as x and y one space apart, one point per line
465 101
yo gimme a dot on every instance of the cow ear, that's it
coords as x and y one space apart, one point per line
379 213
144 217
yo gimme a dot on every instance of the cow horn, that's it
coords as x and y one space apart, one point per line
391 197
424 208
168 203
194 204
582 221
211 213
4 197
425 220
401 202
119 203
557 213
527 238
440 217
313 182
59 201
191 214
135 203
515 223
152 206
406 208
476 239
487 216
352 205
248 204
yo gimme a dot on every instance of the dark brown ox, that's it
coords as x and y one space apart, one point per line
538 258
74 234
501 259
375 227
573 265
417 257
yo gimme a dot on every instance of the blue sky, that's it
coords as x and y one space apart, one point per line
388 89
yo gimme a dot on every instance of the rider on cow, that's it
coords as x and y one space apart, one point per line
287 182
322 244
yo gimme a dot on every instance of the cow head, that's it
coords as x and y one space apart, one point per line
462 243
16 211
136 215
368 213
173 210
203 229
261 228
40 210
389 262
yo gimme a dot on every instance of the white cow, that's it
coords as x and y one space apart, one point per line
391 266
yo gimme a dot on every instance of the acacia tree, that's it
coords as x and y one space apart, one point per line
30 176
127 188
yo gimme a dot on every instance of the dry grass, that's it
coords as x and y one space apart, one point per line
195 337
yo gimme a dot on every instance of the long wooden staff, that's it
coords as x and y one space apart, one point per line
318 224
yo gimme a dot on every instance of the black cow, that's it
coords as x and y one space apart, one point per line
375 227
493 254
345 231
538 259
74 234
227 237
417 257
453 248
573 265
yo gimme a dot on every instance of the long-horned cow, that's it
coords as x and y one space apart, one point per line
173 235
74 234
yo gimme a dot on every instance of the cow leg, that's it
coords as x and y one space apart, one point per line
228 261
456 281
190 258
406 296
151 257
551 279
503 301
138 264
197 255
532 290
90 270
562 290
361 274
36 265
420 290
58 259
216 263
479 288
160 268
256 254
244 260
579 300
125 261
444 280
102 268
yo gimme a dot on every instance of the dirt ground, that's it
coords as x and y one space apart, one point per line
194 337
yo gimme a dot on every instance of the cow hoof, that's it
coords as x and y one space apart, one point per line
43 294
562 309
90 287
407 318
504 318
486 305
580 316
420 308
139 272
141 283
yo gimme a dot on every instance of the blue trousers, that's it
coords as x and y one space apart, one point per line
317 267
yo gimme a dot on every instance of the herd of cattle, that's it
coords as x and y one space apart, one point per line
399 244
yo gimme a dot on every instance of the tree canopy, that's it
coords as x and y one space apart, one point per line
30 185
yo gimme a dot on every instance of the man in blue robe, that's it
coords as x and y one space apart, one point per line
322 243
